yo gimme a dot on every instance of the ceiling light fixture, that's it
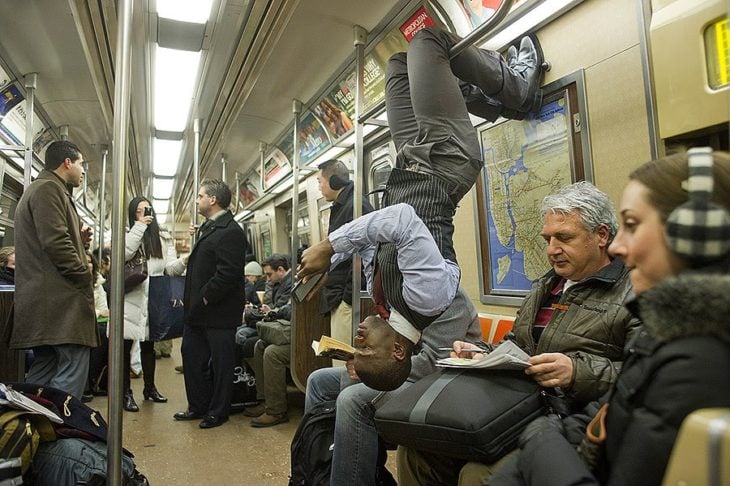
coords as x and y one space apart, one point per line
162 188
195 11
176 73
165 156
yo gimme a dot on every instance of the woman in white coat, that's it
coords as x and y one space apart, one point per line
144 236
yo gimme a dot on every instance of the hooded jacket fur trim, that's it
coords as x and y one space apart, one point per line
689 304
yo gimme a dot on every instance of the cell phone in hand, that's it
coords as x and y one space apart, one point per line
148 211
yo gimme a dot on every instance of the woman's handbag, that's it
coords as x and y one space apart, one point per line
135 271
274 332
165 307
475 415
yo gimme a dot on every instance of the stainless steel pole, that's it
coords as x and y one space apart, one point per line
196 171
360 38
102 200
30 85
262 154
116 320
296 107
238 191
224 173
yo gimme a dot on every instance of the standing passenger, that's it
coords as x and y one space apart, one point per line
214 300
336 297
54 296
144 236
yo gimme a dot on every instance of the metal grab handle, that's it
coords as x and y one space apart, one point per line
479 32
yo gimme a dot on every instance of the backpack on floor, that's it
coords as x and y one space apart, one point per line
312 445
79 461
21 433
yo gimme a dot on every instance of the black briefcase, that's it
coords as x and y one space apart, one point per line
476 415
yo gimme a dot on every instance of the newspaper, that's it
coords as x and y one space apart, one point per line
13 399
506 356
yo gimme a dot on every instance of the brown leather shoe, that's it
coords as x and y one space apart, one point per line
267 420
255 411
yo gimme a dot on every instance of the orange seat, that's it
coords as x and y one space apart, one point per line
495 327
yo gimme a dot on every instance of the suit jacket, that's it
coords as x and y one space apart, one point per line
54 295
215 272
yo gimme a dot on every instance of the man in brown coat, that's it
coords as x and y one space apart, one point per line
54 298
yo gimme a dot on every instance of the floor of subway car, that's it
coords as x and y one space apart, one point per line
172 452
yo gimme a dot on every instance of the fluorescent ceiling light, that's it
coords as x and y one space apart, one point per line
161 205
368 129
162 188
243 215
331 153
176 73
165 156
196 11
527 22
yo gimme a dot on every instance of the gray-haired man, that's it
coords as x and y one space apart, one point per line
572 322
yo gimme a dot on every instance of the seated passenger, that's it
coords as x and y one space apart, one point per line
270 361
438 162
572 323
254 282
356 441
7 265
679 255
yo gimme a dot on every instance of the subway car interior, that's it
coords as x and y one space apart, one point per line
161 94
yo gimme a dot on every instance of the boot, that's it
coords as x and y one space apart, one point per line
521 84
128 402
150 393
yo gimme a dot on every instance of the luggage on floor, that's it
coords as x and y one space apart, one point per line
21 433
312 445
476 415
244 389
77 461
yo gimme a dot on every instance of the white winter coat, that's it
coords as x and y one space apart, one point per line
135 302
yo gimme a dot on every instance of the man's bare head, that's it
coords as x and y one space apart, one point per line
382 356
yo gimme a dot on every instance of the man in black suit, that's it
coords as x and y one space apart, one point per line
214 301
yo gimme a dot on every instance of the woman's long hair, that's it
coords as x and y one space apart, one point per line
151 239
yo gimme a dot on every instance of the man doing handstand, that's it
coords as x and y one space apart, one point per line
407 248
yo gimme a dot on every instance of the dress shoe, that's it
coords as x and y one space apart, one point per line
521 91
165 355
129 404
87 396
255 411
179 369
211 421
187 415
267 420
150 393
134 375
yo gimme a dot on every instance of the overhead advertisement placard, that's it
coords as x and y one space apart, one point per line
10 96
276 167
249 189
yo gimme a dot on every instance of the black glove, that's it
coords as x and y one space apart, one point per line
539 426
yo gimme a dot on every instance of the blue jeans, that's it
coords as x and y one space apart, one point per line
355 455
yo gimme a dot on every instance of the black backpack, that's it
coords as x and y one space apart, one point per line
311 447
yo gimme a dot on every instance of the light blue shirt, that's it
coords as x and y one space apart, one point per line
429 280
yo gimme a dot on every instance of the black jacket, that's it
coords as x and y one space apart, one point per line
339 281
678 363
281 297
215 271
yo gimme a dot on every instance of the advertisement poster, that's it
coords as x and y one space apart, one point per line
419 20
10 96
333 117
312 139
478 11
249 189
276 167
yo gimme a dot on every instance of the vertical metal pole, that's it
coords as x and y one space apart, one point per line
85 186
360 38
102 200
30 85
296 108
172 215
238 191
116 320
262 154
224 173
64 132
644 14
196 171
